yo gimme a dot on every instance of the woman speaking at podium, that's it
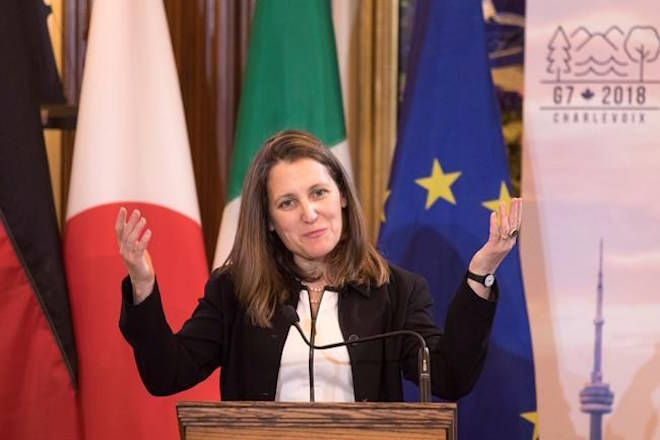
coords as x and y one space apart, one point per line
301 244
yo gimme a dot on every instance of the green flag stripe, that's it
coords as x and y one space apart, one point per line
291 80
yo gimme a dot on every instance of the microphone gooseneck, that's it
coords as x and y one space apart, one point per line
312 335
423 356
292 318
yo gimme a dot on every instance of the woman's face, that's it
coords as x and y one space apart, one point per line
305 208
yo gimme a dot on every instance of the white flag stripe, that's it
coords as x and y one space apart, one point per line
227 233
344 21
343 154
133 123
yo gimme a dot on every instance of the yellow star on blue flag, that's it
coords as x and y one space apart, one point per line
438 185
532 417
505 197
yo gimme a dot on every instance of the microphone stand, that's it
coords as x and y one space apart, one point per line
423 356
312 335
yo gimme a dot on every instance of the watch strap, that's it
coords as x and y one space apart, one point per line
482 279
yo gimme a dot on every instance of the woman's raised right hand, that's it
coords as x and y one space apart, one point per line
133 239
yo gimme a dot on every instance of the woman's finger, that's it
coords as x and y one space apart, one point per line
133 237
120 223
513 216
144 241
132 221
504 221
493 232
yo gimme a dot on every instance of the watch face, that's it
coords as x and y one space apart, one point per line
489 280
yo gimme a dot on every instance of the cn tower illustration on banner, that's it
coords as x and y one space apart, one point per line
596 398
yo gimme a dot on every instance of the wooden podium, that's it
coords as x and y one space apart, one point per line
288 420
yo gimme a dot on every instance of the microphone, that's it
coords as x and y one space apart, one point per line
423 356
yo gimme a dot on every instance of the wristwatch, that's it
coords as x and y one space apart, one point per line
487 280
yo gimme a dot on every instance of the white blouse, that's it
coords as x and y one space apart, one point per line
333 379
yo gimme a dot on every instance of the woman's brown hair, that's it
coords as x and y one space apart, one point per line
262 268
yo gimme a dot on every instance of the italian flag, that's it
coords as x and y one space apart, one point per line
291 82
131 150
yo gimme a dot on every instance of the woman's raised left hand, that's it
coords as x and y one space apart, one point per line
502 237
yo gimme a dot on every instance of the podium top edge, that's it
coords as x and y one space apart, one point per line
337 405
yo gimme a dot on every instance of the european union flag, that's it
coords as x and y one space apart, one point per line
449 173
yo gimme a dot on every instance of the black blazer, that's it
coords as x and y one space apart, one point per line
219 333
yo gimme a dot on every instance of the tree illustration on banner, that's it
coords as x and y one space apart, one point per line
642 46
559 57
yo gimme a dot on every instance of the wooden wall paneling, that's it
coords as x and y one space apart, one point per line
192 42
386 100
234 18
379 21
227 97
75 22
365 129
